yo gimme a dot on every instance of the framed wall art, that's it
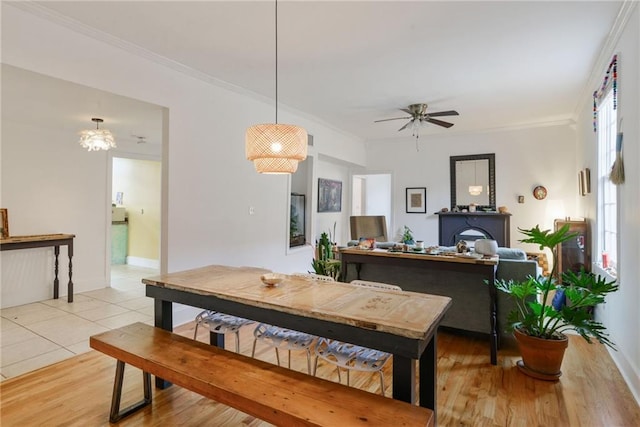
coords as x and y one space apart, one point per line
329 195
417 200
587 180
4 223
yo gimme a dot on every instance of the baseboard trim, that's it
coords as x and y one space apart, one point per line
627 371
143 262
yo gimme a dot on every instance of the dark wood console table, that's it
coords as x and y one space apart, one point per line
475 303
42 241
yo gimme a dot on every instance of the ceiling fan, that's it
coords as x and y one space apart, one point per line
419 115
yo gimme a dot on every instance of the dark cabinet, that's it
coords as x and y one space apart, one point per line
574 253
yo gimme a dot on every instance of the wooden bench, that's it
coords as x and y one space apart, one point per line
277 395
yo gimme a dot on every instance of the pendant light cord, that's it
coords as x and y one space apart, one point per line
276 61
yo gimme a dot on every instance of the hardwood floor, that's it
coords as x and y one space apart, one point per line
471 392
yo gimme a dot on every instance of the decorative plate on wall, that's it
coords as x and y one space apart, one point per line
539 192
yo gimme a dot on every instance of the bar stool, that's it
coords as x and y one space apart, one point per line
287 339
351 356
221 323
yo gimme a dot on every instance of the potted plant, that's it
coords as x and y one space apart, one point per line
538 325
407 236
325 262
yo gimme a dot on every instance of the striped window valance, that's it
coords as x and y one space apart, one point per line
610 78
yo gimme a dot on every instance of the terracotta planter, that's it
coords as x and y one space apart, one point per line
541 358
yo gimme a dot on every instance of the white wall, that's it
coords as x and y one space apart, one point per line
210 184
524 159
378 199
50 186
620 314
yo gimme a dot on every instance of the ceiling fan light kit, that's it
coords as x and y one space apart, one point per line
418 116
97 139
276 148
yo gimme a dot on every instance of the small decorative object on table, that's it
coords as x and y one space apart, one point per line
271 279
407 236
486 247
365 243
462 247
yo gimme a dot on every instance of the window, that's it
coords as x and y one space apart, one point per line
607 214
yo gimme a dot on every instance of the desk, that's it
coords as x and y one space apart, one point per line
475 304
401 323
43 241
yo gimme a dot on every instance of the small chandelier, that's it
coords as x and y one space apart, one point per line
276 148
475 190
97 139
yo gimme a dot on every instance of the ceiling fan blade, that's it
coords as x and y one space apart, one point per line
439 123
395 118
405 126
443 113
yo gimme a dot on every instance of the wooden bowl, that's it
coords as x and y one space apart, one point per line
271 279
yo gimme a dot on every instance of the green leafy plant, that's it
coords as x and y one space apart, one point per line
293 223
538 318
325 263
407 236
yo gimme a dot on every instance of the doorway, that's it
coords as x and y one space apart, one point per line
136 211
371 195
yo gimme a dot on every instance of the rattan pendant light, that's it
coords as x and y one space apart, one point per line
276 148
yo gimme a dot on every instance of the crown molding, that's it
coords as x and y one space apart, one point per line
50 15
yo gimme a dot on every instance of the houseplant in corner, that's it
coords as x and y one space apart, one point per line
325 263
538 325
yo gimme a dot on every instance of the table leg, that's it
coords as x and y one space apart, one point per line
56 282
163 318
494 337
216 339
358 268
429 376
404 379
70 284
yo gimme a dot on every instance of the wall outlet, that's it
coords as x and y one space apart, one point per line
252 210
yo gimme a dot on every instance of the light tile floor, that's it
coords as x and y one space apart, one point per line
39 334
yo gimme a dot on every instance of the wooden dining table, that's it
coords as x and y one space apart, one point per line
398 322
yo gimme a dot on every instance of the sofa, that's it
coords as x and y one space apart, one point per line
470 310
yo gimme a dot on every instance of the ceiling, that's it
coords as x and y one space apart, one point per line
500 64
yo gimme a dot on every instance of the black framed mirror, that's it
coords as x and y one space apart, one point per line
473 181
